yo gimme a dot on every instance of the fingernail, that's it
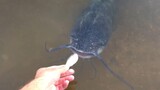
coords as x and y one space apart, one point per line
67 81
71 70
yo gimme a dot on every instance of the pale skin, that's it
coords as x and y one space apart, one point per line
51 78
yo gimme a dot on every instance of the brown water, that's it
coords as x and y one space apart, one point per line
133 51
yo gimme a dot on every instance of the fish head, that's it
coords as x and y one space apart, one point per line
85 49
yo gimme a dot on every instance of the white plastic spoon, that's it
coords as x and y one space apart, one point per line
72 60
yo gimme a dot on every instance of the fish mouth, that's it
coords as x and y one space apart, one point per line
82 54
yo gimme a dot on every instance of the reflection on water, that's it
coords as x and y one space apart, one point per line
25 25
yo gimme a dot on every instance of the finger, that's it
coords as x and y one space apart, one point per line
62 86
69 78
62 80
66 83
67 73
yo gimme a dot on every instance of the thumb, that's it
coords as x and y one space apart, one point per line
57 70
61 69
52 72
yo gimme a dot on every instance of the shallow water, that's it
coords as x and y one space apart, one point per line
133 51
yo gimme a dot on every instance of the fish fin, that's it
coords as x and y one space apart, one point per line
115 74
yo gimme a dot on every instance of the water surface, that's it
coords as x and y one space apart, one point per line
133 51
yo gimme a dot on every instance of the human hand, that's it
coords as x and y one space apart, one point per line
57 77
51 78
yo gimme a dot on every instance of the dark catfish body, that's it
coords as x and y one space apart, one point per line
92 32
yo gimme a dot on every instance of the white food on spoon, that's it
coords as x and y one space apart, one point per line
72 60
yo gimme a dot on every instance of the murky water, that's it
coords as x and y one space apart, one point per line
133 51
